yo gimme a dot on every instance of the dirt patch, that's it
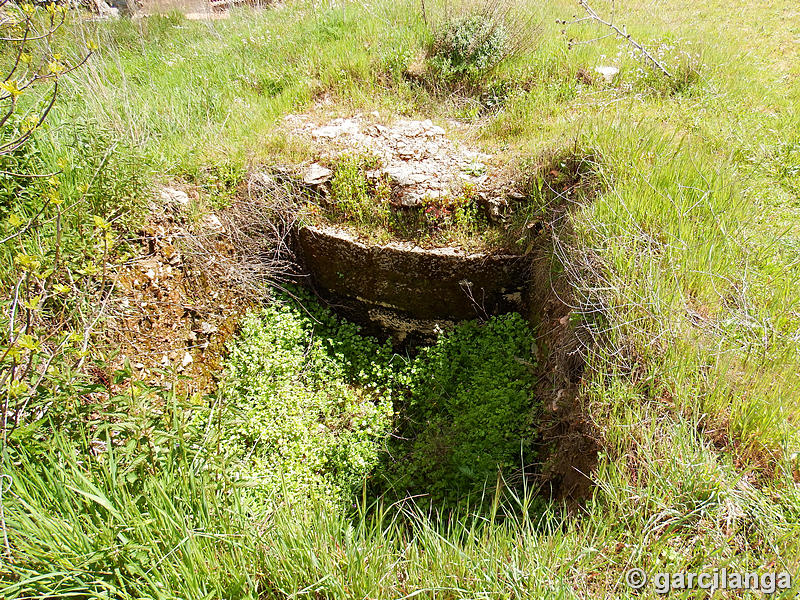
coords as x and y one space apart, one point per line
171 319
569 440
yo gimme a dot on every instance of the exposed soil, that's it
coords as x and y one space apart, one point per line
172 319
569 442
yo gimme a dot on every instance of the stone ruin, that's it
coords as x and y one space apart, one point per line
417 157
400 289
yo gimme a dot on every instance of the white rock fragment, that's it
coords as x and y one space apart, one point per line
415 128
105 10
207 328
405 175
316 174
173 196
263 178
213 223
608 73
336 129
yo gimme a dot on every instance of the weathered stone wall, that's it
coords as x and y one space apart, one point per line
405 290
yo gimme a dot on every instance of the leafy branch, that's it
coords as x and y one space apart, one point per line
27 32
25 28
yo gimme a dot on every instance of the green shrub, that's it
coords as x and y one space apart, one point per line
307 402
26 159
290 417
349 187
363 360
354 197
469 46
64 231
469 397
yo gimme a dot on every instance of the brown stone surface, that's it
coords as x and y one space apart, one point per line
408 289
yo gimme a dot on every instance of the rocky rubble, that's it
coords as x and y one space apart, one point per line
171 320
418 158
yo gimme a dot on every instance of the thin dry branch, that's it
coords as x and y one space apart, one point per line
257 253
593 16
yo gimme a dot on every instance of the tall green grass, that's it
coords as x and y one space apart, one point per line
78 528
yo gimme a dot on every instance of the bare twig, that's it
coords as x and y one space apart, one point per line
623 33
257 253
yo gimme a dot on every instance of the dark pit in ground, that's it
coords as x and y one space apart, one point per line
408 292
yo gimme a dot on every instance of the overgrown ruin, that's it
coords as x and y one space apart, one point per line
408 286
